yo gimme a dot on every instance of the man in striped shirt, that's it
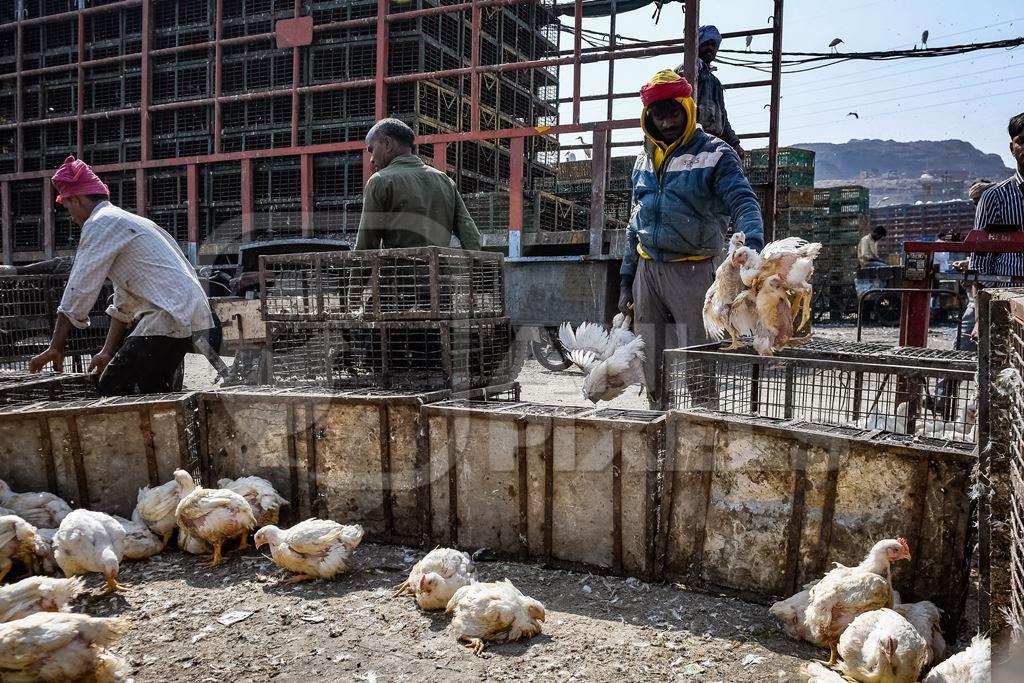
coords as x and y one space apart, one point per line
156 291
1003 204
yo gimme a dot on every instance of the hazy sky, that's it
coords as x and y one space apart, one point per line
970 97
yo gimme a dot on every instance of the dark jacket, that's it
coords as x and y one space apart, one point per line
711 113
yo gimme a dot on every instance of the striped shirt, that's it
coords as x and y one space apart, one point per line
154 285
1003 203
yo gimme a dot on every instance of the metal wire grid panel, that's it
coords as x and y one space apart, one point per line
394 284
24 388
1016 607
415 355
874 389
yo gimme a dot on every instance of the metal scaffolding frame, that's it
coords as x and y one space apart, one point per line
299 32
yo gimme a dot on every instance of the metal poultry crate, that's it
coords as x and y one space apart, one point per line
24 388
428 283
923 392
415 355
1016 452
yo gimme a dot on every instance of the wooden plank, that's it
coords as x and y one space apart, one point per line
453 486
384 442
523 494
794 531
77 458
146 425
47 447
617 501
317 506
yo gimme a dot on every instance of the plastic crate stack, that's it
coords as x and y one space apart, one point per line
794 196
420 319
840 220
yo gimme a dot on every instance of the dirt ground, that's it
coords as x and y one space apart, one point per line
597 628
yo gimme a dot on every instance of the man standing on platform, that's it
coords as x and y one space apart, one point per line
686 185
407 203
711 113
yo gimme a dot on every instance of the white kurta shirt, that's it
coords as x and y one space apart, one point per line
154 284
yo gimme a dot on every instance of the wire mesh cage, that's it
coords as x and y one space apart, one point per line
1016 474
421 283
23 388
414 355
924 393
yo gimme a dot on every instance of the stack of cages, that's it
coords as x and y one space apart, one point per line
420 319
574 182
902 394
794 194
840 220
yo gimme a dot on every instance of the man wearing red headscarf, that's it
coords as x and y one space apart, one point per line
156 291
687 185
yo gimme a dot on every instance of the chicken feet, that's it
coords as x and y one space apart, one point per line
113 585
403 589
475 644
243 544
298 578
215 558
167 537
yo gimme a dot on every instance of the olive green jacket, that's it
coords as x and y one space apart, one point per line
410 204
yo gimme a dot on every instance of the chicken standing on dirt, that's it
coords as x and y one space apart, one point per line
721 313
844 593
156 506
61 646
139 542
17 542
496 612
37 594
88 541
260 494
313 549
214 516
42 510
926 618
973 665
882 647
434 579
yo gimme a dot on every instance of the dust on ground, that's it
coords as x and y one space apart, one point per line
597 629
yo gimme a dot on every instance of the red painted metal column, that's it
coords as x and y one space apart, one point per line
773 125
246 200
599 177
48 216
192 182
80 106
515 197
691 21
577 45
441 156
19 99
380 99
306 193
296 57
474 64
147 30
218 69
7 222
140 191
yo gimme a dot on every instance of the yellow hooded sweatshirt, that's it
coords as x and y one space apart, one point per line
661 150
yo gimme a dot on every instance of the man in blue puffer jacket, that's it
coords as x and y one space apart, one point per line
686 186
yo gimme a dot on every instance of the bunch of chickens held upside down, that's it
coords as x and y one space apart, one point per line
751 294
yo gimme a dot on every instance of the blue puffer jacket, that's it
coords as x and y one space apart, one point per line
683 210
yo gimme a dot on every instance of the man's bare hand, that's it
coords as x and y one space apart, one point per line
960 266
100 362
50 355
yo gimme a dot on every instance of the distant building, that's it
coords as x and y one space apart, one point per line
944 184
922 221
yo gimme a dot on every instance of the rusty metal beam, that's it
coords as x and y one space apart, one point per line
416 14
380 99
599 180
246 182
6 222
773 124
474 64
80 94
306 193
577 65
296 63
441 156
515 198
70 14
48 219
140 189
19 101
192 182
691 17
218 73
145 135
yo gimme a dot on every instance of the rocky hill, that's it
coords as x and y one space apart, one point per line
891 159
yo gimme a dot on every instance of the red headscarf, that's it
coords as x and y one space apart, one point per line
75 177
665 89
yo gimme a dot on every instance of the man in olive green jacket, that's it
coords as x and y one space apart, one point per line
407 203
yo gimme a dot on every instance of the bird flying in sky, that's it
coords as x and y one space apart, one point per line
924 38
853 114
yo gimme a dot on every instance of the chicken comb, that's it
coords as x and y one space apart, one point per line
903 542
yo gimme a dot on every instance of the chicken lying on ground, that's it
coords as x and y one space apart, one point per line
973 665
44 561
59 647
816 672
42 510
434 579
727 308
926 618
845 593
192 545
882 647
17 543
774 317
139 542
612 361
260 494
496 612
37 594
88 541
156 506
313 549
792 260
214 516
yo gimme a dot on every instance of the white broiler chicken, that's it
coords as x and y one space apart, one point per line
17 543
496 612
774 317
589 344
44 562
926 618
621 332
721 313
156 505
37 594
88 541
56 647
192 545
313 549
260 494
608 379
42 510
896 424
792 259
139 542
882 647
973 665
815 672
434 579
214 516
846 592
791 613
